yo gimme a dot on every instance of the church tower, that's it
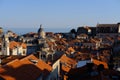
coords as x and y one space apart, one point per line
1 39
5 45
41 33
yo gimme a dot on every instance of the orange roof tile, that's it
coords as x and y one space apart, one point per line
41 64
97 62
14 71
67 60
24 45
71 49
24 69
15 63
67 63
66 68
14 44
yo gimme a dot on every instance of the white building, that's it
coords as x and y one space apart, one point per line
17 48
5 45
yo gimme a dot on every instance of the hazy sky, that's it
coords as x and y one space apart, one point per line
58 13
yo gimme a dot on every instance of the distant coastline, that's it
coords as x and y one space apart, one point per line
25 30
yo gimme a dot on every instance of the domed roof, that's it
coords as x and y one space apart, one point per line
41 33
1 28
40 29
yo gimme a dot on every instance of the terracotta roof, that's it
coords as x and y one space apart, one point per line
60 47
65 68
10 58
67 60
28 68
51 44
14 44
67 63
97 62
40 64
15 70
61 42
8 72
23 45
71 49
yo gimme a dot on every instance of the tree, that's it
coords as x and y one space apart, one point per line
73 31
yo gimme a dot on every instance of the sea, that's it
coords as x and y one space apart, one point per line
21 31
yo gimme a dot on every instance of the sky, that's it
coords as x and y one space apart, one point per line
56 15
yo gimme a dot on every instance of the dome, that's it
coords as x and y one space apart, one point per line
1 28
40 29
41 33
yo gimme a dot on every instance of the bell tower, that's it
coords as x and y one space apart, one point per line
5 45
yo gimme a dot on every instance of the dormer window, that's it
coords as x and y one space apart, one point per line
33 61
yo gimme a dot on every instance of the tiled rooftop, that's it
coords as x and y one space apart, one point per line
28 68
14 44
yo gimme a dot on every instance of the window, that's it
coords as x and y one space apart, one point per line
24 52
